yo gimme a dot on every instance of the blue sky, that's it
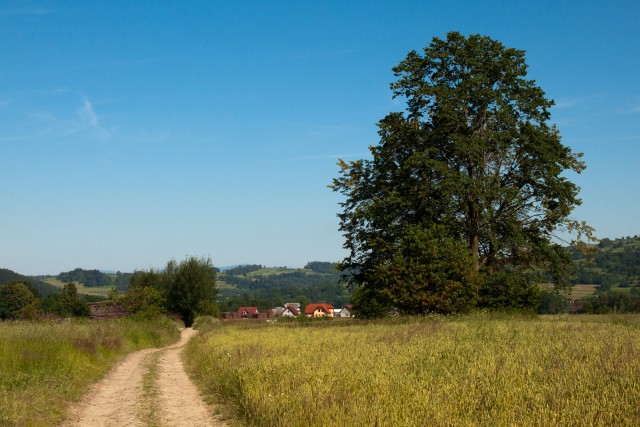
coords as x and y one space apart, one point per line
136 132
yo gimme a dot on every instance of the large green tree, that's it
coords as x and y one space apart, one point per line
17 301
187 288
475 165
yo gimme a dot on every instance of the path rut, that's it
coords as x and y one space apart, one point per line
120 398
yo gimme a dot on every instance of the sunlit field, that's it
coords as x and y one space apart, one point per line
102 291
475 370
45 365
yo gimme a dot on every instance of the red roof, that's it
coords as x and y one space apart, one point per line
293 310
249 310
310 308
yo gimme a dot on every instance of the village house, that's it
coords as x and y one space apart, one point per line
275 312
576 305
291 311
319 310
341 312
248 313
295 305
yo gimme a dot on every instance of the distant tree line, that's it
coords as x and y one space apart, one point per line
610 301
617 263
242 270
322 267
94 277
274 290
332 293
20 300
276 281
41 287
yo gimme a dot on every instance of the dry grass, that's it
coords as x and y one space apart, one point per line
476 370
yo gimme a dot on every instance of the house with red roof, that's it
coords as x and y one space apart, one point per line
576 305
290 311
248 313
319 310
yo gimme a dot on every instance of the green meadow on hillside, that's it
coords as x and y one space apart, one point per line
102 291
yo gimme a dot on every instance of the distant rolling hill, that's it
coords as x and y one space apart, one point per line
43 288
616 264
264 287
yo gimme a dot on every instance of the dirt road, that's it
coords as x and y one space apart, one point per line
149 388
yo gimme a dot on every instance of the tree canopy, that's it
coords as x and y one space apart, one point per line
461 200
187 288
17 301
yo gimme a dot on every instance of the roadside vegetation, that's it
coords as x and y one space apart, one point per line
46 365
480 369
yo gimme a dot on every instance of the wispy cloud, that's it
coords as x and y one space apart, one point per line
72 114
565 103
577 101
90 120
87 114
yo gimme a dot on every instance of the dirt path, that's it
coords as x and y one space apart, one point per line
150 387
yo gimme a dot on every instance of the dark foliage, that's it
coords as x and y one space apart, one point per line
93 278
474 157
17 301
613 302
273 290
242 270
322 267
67 303
43 289
616 263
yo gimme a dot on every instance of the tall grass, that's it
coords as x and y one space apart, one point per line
476 370
45 365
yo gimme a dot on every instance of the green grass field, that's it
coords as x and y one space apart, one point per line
486 369
270 271
46 365
103 291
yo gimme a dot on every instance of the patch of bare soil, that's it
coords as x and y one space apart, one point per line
120 399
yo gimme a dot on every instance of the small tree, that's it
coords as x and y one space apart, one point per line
191 288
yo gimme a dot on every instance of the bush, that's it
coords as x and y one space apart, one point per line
67 303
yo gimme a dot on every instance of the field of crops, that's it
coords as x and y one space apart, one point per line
477 370
45 365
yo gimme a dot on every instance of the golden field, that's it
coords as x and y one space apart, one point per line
482 369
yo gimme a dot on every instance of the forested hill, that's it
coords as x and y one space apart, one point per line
255 285
96 278
43 288
616 264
